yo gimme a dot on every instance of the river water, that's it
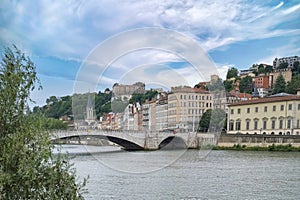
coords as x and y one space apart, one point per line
116 174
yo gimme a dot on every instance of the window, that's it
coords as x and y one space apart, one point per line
290 106
273 124
238 125
282 107
289 123
239 111
230 126
299 106
247 125
231 111
280 123
248 110
256 109
274 108
266 108
298 123
265 124
255 125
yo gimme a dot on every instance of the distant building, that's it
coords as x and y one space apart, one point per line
186 105
125 91
132 118
286 73
289 60
262 81
274 115
90 117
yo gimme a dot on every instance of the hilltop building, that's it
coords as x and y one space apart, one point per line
289 60
275 115
124 92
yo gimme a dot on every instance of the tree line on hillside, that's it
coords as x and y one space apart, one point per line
57 107
280 85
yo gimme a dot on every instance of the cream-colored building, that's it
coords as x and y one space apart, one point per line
186 106
275 115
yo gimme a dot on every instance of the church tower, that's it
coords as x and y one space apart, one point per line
90 116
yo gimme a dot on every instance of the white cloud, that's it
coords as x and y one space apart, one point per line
73 28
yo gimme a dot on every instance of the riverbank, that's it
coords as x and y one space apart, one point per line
273 147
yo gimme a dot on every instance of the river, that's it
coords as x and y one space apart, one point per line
116 174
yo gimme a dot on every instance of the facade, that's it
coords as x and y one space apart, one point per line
289 60
186 106
125 91
277 115
161 117
286 73
262 81
155 113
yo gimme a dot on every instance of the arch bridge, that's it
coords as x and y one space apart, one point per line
134 140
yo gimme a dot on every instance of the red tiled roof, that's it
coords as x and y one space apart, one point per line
241 95
267 100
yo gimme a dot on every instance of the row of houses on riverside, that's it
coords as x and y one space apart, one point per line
180 110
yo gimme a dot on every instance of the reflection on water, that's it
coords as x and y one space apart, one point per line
221 175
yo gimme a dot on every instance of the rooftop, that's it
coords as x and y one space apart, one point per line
268 100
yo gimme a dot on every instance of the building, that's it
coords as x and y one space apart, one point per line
286 73
125 91
274 115
262 81
289 60
155 113
186 105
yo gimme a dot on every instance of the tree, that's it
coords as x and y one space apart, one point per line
228 85
261 69
28 169
293 85
296 68
279 85
212 119
246 84
283 65
232 73
268 69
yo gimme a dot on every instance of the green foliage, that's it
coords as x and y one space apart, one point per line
54 124
296 68
246 84
232 73
293 85
28 169
283 65
279 85
141 98
228 84
60 106
118 105
212 119
268 69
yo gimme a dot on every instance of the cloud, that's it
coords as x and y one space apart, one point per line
73 28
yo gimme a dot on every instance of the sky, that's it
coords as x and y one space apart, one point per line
101 41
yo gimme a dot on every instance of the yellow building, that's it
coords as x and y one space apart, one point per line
186 105
276 115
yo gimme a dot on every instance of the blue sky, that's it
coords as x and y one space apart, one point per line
60 35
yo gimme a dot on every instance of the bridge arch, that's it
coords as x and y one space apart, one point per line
172 142
126 144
